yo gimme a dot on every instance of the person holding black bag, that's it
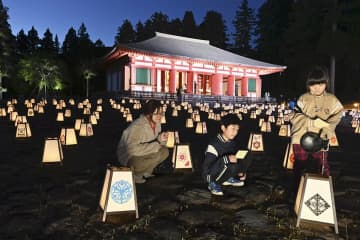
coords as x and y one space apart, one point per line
313 122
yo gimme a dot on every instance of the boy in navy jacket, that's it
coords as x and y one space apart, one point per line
221 167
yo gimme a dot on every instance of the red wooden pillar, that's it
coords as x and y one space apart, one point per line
190 82
153 80
133 76
244 86
258 87
231 86
172 86
216 84
162 77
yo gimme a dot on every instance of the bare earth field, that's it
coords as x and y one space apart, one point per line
61 201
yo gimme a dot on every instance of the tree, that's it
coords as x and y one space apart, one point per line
7 44
159 22
189 25
88 74
56 44
213 28
244 26
41 72
33 40
69 46
47 42
22 44
175 27
126 33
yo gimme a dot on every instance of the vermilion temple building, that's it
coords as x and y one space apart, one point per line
167 62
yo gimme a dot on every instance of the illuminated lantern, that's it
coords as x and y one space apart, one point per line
41 109
289 157
13 116
52 151
67 113
30 112
68 136
60 117
59 106
86 130
54 101
255 142
99 108
99 101
86 111
129 117
268 126
201 128
20 119
263 127
72 102
271 119
181 158
189 123
93 120
261 120
252 115
2 112
118 196
315 201
174 113
357 129
163 119
170 140
23 130
97 115
284 130
77 124
80 105
197 117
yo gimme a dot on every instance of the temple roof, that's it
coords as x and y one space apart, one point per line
195 49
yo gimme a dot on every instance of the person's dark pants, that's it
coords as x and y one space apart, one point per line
309 163
233 169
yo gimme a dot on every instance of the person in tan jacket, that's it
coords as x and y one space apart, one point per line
142 144
316 111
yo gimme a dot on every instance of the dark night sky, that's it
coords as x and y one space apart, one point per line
102 18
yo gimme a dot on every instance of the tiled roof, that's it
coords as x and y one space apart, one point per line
184 47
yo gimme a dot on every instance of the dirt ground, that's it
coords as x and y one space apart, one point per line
61 201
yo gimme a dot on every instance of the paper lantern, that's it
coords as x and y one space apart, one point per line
189 123
77 124
271 119
13 115
99 108
263 127
170 140
20 119
357 129
97 115
163 119
86 130
129 117
99 101
333 141
30 112
52 151
252 115
181 158
289 157
80 105
255 142
174 113
284 130
23 130
118 196
60 117
68 136
2 112
315 201
86 111
93 120
201 128
71 102
41 109
261 120
59 106
54 101
67 113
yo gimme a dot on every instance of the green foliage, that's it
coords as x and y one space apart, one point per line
41 72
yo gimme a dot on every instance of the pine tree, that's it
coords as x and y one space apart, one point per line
244 27
126 33
7 44
33 40
189 25
213 28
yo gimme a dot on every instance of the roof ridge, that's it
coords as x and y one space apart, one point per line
165 35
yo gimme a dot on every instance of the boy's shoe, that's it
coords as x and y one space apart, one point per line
215 189
139 179
233 182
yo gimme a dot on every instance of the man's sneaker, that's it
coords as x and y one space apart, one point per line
139 179
215 189
233 182
148 175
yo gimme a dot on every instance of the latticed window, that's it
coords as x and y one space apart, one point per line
251 85
143 76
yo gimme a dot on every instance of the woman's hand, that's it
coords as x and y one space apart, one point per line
163 136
